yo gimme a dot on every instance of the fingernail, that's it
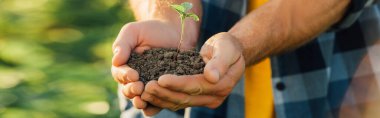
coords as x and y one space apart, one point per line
116 50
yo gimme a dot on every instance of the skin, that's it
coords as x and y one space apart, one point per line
276 27
157 25
195 90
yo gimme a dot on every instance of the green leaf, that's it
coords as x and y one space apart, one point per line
180 9
193 16
187 6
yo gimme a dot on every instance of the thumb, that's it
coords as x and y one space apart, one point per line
124 43
220 52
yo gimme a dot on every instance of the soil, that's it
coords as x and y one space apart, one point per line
159 61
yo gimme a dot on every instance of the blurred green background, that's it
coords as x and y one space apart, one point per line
55 57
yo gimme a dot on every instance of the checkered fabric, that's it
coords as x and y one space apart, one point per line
332 76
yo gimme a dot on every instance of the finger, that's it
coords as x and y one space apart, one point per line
152 99
228 81
141 49
159 102
190 84
139 103
225 52
124 74
198 85
166 98
231 78
124 43
168 101
206 50
204 101
151 110
237 69
133 89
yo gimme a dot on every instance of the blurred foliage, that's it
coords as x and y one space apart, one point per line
55 57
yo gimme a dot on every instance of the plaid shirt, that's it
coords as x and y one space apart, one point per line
334 75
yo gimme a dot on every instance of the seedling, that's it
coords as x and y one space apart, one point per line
183 11
153 63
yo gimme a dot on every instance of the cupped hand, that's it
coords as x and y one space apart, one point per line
140 36
224 68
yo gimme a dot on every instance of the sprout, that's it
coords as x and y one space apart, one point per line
183 11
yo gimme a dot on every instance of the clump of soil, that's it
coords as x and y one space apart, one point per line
159 61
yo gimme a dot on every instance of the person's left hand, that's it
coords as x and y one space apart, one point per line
224 68
138 37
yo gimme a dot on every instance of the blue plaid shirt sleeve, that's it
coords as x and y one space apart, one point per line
352 13
335 75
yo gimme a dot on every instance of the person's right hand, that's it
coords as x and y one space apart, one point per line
225 65
140 36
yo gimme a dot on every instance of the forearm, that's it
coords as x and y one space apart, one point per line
160 10
280 26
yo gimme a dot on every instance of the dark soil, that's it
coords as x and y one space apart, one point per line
159 61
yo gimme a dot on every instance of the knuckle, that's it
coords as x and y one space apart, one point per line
127 92
185 102
182 104
129 26
123 76
147 97
196 91
128 95
121 79
151 87
138 104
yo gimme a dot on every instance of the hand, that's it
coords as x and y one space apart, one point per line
224 67
140 36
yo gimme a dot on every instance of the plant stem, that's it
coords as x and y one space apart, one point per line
182 31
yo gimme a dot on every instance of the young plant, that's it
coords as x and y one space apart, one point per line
183 11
